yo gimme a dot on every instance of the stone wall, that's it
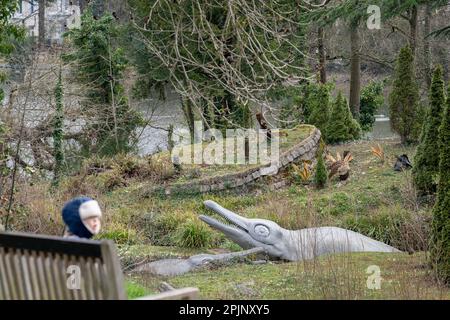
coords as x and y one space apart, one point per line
305 150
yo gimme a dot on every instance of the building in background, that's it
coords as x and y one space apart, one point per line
60 15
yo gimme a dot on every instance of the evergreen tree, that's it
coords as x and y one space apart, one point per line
404 99
440 228
58 122
342 126
426 166
320 178
320 109
100 63
8 33
371 100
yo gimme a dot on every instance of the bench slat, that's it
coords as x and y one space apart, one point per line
26 279
13 283
32 265
43 286
4 276
113 271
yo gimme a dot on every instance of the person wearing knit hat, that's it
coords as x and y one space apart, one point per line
82 216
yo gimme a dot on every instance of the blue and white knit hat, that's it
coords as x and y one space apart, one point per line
77 210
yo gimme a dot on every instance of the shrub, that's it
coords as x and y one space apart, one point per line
108 181
159 227
320 109
404 229
120 234
135 290
371 100
336 205
320 178
114 129
426 164
378 152
302 175
305 100
193 234
108 174
342 126
404 99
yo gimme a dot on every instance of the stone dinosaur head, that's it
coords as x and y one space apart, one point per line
248 233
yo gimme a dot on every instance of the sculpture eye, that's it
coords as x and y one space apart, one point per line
262 231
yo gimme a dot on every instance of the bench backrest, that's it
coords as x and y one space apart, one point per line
37 267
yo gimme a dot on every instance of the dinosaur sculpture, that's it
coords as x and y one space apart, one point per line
173 267
290 245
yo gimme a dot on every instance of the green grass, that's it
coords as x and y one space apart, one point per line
331 277
288 138
134 290
371 202
372 192
375 201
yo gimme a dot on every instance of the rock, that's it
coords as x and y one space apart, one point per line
256 174
278 185
269 171
259 262
245 288
164 286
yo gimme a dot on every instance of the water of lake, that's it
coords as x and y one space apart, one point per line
381 129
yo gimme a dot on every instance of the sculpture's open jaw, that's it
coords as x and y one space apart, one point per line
223 227
237 229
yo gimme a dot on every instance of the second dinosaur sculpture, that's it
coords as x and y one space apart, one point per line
173 267
293 245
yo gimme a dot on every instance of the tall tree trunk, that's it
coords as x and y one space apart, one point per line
189 116
426 45
355 72
322 57
41 26
413 21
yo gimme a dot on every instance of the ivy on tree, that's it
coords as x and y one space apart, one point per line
58 133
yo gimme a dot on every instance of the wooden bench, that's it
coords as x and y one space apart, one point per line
37 267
